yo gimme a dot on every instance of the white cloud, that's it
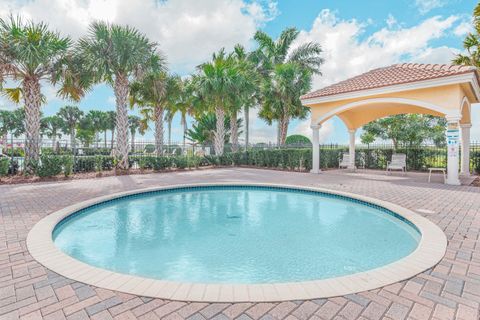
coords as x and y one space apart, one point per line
348 52
463 28
188 32
425 6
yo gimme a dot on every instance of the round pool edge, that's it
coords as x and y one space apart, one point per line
430 250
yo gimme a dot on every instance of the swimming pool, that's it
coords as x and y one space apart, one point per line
230 236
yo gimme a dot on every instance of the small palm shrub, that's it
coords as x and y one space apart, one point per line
67 165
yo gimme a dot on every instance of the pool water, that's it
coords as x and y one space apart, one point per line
236 235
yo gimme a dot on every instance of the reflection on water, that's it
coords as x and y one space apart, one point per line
236 236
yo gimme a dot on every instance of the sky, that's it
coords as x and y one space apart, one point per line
356 36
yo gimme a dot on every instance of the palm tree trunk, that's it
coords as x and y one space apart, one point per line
246 110
113 138
284 129
121 94
72 139
220 131
279 125
159 130
234 131
170 131
105 139
97 137
133 141
184 125
32 98
54 140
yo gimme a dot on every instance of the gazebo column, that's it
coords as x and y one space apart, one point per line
465 155
453 150
315 148
351 148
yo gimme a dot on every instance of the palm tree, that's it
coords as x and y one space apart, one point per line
134 125
281 96
184 102
96 119
471 44
203 129
52 127
117 55
104 126
215 83
151 95
270 56
244 95
31 54
12 122
71 116
111 124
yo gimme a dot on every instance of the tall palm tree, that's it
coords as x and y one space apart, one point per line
31 54
134 126
244 94
281 96
471 44
52 127
215 82
117 55
270 56
151 95
71 116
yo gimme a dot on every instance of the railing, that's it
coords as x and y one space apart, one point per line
373 156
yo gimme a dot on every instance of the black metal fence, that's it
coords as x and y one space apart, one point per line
96 157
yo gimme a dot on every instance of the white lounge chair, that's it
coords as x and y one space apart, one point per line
399 162
345 161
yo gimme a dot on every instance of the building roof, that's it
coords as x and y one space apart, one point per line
391 75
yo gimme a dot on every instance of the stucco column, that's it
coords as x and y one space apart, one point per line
351 148
465 155
452 134
315 148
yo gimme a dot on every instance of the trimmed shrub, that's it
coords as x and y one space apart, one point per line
298 139
475 159
181 162
49 166
161 163
4 166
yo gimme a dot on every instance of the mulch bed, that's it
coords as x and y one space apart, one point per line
476 182
86 175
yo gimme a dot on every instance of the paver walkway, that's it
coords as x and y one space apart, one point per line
451 290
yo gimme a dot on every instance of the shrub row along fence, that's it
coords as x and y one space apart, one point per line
297 158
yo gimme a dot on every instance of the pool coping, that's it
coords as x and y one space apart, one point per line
430 250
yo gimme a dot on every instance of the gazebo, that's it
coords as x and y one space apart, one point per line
440 90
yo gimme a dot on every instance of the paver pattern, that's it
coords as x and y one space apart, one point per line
450 290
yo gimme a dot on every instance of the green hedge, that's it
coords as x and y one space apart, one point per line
291 159
4 166
49 166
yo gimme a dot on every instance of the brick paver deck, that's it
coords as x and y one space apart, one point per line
451 290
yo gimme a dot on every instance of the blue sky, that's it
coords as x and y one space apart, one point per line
356 36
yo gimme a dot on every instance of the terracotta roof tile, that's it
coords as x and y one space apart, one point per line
391 75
